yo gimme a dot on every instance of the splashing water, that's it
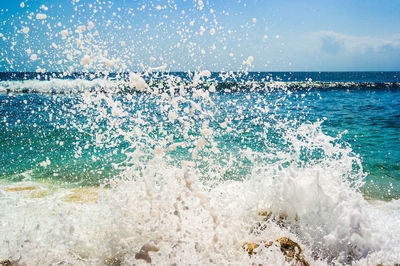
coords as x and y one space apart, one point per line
190 172
123 167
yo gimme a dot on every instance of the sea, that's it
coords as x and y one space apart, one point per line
200 168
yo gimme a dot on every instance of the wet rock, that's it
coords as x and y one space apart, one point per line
143 254
267 216
250 248
5 263
290 249
282 220
11 263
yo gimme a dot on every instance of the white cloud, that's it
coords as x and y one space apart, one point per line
333 43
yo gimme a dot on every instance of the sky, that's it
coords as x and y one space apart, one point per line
230 35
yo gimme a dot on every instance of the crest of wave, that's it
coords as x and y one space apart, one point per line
178 200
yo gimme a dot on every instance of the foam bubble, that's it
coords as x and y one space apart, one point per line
85 60
249 60
25 30
90 25
41 16
33 57
64 33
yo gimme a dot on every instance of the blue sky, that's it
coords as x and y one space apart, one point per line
124 35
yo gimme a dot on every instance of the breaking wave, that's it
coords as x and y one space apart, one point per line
202 175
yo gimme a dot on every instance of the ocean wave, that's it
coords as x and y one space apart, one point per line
57 86
188 222
230 179
65 86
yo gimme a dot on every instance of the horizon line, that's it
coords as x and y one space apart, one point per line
192 71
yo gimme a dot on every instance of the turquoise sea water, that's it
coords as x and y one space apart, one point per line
362 108
187 168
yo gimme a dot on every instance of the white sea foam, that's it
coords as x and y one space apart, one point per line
192 223
58 85
187 214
